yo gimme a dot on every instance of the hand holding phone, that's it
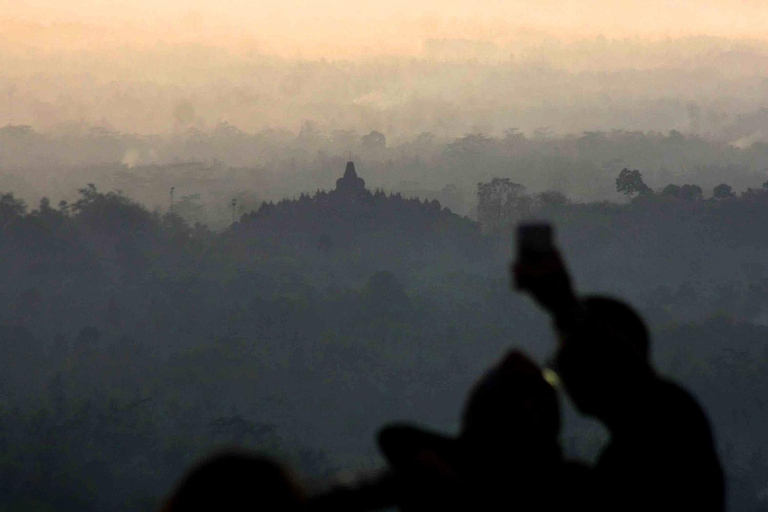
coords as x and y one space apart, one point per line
539 269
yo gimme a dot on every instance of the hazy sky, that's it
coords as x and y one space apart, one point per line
626 64
344 27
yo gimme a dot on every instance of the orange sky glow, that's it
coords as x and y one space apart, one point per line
343 28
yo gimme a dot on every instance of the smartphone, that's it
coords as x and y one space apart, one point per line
534 239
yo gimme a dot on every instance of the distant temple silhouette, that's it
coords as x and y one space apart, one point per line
351 213
351 184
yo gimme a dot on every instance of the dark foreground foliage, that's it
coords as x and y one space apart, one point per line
134 343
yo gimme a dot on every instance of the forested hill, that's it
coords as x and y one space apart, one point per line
135 342
359 230
350 210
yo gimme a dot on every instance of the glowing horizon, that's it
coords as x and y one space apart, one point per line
340 28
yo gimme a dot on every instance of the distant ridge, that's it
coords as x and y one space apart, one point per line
351 213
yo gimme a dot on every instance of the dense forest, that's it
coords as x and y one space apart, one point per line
137 340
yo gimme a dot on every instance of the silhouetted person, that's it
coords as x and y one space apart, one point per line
506 455
661 454
236 481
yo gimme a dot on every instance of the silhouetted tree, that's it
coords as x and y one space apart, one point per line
501 202
723 191
468 146
755 194
552 198
111 213
691 192
10 209
671 190
630 183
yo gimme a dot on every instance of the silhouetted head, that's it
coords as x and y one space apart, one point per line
598 371
511 418
511 401
508 438
236 481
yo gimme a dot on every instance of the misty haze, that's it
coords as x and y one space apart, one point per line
220 232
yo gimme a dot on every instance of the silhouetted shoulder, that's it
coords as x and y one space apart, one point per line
672 409
665 457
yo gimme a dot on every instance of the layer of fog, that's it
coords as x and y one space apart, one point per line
455 86
208 169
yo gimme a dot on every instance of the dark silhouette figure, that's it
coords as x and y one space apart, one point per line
661 454
506 454
236 481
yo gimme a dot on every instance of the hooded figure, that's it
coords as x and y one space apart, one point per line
505 456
